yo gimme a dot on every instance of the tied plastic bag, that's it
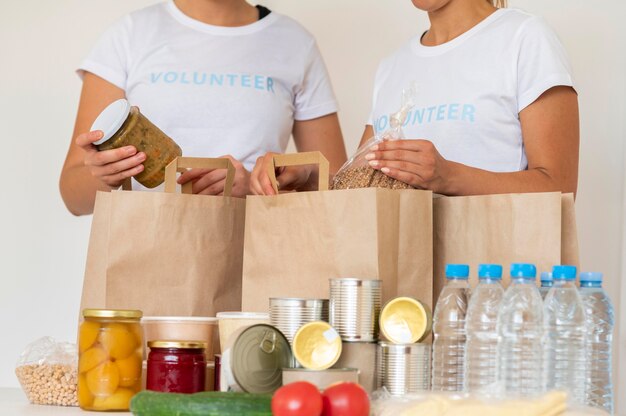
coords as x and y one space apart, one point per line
47 372
356 172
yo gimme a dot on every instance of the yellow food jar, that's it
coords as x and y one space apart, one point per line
123 125
110 349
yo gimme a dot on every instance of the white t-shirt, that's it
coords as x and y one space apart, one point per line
471 90
216 90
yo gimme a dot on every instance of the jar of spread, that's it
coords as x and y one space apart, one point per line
176 366
124 125
110 349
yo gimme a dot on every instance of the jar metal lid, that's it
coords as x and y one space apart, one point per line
178 344
111 119
112 313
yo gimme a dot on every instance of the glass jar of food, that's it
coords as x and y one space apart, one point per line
124 125
110 354
176 366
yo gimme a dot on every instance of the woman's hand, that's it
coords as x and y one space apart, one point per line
112 167
416 162
212 181
288 178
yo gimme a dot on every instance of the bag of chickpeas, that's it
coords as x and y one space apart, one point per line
47 372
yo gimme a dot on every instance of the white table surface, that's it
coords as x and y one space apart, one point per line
13 402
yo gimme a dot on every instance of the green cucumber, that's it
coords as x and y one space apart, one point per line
208 403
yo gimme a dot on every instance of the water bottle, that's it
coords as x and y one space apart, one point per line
546 284
449 330
520 331
599 329
482 337
564 323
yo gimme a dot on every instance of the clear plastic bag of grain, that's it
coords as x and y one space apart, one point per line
357 173
47 371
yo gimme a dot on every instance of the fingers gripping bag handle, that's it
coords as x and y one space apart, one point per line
298 159
356 172
181 164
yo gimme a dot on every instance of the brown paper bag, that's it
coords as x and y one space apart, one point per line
295 242
538 228
167 253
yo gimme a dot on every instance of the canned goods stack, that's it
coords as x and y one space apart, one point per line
402 362
289 314
354 310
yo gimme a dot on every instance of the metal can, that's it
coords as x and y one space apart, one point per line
110 354
362 356
316 345
405 320
354 308
176 366
403 368
321 379
255 360
289 314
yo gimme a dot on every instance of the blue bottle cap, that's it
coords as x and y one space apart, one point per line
546 277
491 271
457 271
591 277
525 270
564 272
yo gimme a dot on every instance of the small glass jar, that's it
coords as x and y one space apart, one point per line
124 125
110 353
176 366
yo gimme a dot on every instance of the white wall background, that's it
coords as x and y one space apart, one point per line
42 247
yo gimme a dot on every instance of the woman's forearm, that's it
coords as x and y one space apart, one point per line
78 189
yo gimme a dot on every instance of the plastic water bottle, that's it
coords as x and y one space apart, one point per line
546 284
564 322
449 330
599 328
481 362
520 331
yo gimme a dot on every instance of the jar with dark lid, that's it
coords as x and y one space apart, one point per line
176 366
110 349
124 125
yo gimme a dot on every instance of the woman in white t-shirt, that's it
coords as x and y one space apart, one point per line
219 77
495 111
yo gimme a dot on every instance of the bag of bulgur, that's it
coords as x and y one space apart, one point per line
357 173
47 372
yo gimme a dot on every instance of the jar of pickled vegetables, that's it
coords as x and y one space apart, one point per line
176 366
124 125
110 356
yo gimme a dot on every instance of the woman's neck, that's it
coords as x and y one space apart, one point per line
454 19
229 13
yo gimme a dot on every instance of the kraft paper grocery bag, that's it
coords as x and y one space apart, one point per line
295 242
167 253
536 228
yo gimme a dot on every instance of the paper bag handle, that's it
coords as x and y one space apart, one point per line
181 164
297 159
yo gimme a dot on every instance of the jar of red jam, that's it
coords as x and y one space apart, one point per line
176 366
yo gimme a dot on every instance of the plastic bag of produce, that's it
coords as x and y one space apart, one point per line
356 172
47 372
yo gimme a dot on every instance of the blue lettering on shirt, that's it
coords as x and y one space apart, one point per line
193 78
432 114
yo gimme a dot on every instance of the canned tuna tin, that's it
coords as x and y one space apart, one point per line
354 308
403 368
289 314
317 346
405 320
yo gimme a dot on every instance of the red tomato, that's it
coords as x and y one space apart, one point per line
297 399
346 399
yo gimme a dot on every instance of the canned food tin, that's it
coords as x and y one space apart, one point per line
403 368
321 379
405 320
289 314
256 359
317 346
362 356
354 308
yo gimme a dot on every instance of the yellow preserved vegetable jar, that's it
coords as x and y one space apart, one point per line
110 349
